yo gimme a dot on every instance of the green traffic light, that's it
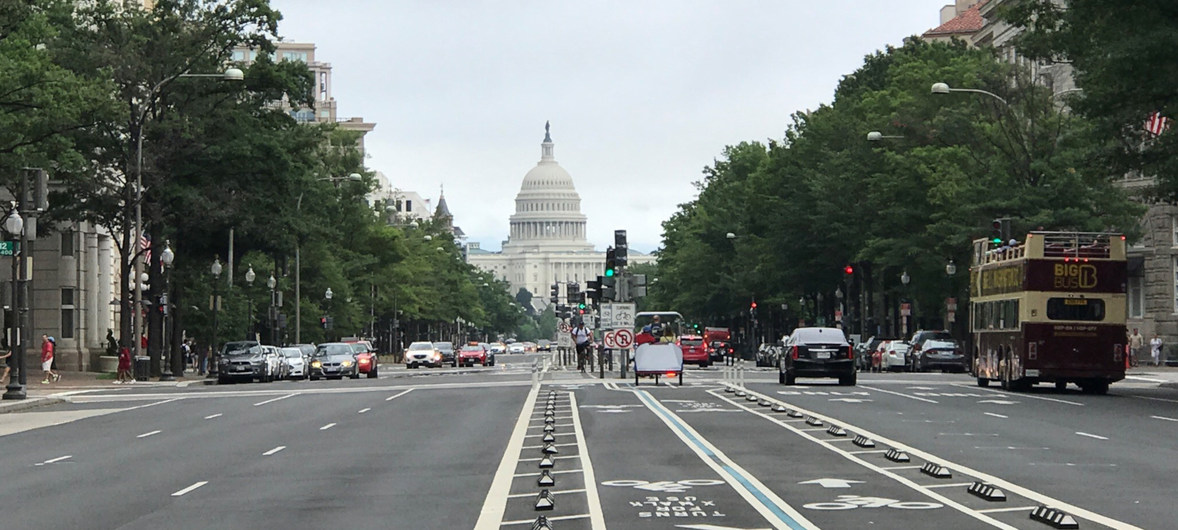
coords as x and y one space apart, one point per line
580 306
609 273
996 241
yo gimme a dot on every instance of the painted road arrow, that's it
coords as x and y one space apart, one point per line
716 527
998 401
832 482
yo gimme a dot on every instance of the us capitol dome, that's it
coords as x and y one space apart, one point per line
547 209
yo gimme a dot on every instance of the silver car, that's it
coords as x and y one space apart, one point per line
296 363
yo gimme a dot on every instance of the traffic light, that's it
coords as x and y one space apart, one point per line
996 232
636 286
621 249
555 293
611 262
323 322
849 270
572 288
753 305
593 290
608 291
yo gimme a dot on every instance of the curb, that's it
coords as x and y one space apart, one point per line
1169 385
28 403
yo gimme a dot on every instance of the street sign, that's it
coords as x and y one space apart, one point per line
609 341
905 310
8 248
620 315
607 315
624 338
564 340
563 327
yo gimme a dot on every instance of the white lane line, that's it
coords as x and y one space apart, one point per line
1020 394
1004 484
1156 399
274 450
362 411
1164 418
995 415
529 447
1000 510
395 396
328 426
1146 379
558 425
53 460
276 399
190 488
495 504
551 457
957 485
562 492
1098 437
557 518
868 451
901 394
211 416
146 434
894 468
550 472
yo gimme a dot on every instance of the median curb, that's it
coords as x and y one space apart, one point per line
28 403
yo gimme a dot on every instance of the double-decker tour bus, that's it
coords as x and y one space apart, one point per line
1049 310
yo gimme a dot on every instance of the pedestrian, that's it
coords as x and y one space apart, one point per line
1155 350
189 358
125 376
581 336
4 378
1136 341
47 347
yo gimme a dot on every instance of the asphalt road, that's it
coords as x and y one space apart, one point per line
473 448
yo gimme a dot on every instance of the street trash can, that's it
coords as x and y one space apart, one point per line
142 368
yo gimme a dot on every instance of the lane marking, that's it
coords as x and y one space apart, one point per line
328 426
190 488
596 516
1146 379
1098 437
957 485
995 415
1164 418
551 457
276 399
1004 484
274 450
211 416
557 518
868 451
775 510
1020 394
146 434
395 396
894 468
1156 399
529 447
53 460
901 394
362 411
495 504
1000 510
562 492
550 472
219 394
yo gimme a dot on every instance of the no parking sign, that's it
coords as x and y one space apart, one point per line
610 339
623 338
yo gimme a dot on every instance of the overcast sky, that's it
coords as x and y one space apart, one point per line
641 94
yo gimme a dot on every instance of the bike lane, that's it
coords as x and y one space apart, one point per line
652 475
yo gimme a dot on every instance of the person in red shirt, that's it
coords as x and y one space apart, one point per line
125 367
47 348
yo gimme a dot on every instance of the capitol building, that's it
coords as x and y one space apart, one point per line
546 243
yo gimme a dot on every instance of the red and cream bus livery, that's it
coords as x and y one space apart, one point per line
1049 310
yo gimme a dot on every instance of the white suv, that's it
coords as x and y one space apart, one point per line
423 353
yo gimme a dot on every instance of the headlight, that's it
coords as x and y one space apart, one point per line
346 364
316 364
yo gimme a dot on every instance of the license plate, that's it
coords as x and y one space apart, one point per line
823 354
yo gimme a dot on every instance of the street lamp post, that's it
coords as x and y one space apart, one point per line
943 88
272 283
166 259
327 313
249 303
17 379
875 136
904 279
215 269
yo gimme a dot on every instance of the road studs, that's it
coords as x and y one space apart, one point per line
547 463
740 393
935 470
764 403
795 414
751 397
987 492
1054 517
549 420
729 389
541 524
863 441
548 438
780 408
545 479
811 420
548 427
896 455
545 501
549 449
836 430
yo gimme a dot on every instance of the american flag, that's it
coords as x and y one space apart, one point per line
145 246
1156 124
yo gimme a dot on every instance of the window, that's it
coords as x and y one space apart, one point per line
294 56
1136 297
239 55
1088 309
67 242
1174 229
67 313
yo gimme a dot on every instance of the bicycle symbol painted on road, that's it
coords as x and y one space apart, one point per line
666 486
851 502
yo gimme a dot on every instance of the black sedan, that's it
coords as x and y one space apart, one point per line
334 360
817 352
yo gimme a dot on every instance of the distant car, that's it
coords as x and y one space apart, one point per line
863 352
516 348
694 351
530 347
717 350
276 367
447 351
894 356
497 347
473 354
365 357
241 361
296 363
918 338
544 345
334 360
817 352
422 354
767 354
936 354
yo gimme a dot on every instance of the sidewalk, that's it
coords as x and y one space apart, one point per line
47 394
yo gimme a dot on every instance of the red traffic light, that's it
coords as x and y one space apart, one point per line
753 305
848 270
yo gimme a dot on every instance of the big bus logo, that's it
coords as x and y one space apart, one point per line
1074 276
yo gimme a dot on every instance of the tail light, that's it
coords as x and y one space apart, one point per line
850 352
730 351
670 374
794 352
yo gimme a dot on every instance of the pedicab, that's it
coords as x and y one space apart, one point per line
657 353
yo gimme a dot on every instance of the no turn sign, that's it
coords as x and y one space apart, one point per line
624 338
610 340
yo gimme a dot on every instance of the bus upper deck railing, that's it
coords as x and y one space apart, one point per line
1053 245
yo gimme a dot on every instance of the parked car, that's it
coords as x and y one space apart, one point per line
718 349
863 352
498 347
422 354
365 357
447 351
241 361
767 354
817 352
296 362
334 360
894 356
694 351
516 348
936 354
918 338
275 363
473 354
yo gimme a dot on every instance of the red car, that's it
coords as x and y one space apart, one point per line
365 356
472 354
694 351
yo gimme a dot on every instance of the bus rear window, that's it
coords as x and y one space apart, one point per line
1090 309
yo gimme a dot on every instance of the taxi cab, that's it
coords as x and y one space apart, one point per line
694 350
